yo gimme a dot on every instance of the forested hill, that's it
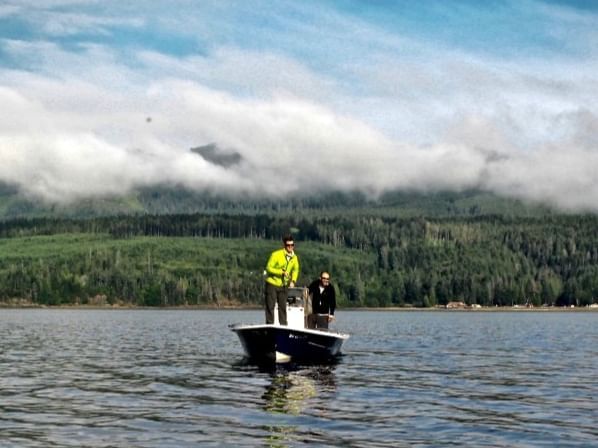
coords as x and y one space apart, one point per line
161 201
375 260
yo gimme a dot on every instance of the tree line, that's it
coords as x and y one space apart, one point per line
375 260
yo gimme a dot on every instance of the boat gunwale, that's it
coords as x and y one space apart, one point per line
318 332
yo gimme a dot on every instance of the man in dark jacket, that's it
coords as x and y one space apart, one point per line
323 301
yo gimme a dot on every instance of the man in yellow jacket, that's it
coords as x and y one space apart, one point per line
282 271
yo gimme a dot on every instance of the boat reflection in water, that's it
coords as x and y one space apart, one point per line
292 342
290 391
304 392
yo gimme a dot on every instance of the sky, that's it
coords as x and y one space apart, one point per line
102 97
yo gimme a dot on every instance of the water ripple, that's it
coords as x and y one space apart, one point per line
177 378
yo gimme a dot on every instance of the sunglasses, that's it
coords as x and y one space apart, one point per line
290 244
325 278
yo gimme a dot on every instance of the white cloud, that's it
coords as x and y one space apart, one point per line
84 141
8 10
70 24
407 115
561 176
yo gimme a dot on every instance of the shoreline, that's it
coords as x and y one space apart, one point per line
205 307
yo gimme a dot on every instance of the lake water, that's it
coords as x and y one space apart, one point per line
139 378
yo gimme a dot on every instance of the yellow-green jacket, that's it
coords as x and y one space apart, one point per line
277 263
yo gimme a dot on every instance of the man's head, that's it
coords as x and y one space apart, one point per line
289 243
324 278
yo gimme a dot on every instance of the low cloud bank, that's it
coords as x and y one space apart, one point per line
372 111
183 134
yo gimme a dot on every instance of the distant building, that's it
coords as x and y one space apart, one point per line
456 305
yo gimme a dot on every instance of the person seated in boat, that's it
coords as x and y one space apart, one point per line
282 271
323 301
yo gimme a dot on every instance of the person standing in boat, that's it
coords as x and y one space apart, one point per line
282 272
323 301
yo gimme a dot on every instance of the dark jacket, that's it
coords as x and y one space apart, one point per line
324 302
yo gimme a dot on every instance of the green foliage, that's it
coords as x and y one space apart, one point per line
171 260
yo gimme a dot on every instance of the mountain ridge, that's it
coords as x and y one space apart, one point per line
176 200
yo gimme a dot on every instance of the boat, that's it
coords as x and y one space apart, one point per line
292 342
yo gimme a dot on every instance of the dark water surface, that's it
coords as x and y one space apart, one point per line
137 378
